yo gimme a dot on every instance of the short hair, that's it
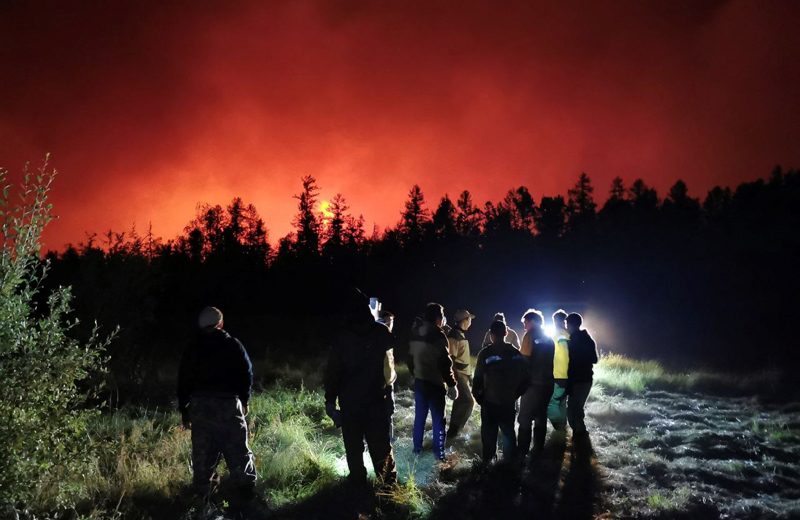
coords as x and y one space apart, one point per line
533 315
575 319
498 329
385 315
433 311
560 314
499 317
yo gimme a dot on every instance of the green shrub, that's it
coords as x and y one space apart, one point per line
44 372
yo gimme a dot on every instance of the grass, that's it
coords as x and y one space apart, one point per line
141 467
142 464
616 372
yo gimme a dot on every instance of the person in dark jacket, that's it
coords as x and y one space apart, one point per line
214 383
430 364
356 378
501 376
582 355
538 349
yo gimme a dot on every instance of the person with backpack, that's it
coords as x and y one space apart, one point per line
501 376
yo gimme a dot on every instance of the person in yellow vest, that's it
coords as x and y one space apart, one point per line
557 409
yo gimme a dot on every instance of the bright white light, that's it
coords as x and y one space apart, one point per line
549 331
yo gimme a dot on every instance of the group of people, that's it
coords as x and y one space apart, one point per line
528 381
543 377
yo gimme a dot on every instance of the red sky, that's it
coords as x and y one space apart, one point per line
149 109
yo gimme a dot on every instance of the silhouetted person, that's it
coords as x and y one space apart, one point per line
387 319
539 349
582 356
357 377
512 337
459 352
432 368
501 376
557 410
214 383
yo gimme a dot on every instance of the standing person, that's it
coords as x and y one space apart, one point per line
432 368
539 350
357 377
389 373
582 355
458 346
557 410
512 337
501 376
214 383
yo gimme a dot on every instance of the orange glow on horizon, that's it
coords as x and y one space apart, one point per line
159 109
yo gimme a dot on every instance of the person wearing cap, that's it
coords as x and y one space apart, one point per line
539 350
557 409
512 337
582 355
356 379
458 346
214 384
430 363
501 377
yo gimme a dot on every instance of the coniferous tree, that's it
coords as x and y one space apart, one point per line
307 222
335 229
443 224
581 208
551 217
643 197
522 209
468 217
415 216
717 203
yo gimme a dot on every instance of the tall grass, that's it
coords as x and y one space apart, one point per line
295 457
624 374
143 459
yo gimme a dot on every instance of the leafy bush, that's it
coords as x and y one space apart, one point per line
44 372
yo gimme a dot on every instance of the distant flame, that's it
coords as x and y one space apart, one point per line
325 210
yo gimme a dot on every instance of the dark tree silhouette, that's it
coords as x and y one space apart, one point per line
414 218
551 217
307 221
670 279
581 208
443 224
468 217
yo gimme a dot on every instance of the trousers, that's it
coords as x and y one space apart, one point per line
462 406
578 394
533 410
219 429
374 425
494 417
429 397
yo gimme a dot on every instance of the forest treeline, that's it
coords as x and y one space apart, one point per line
709 281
